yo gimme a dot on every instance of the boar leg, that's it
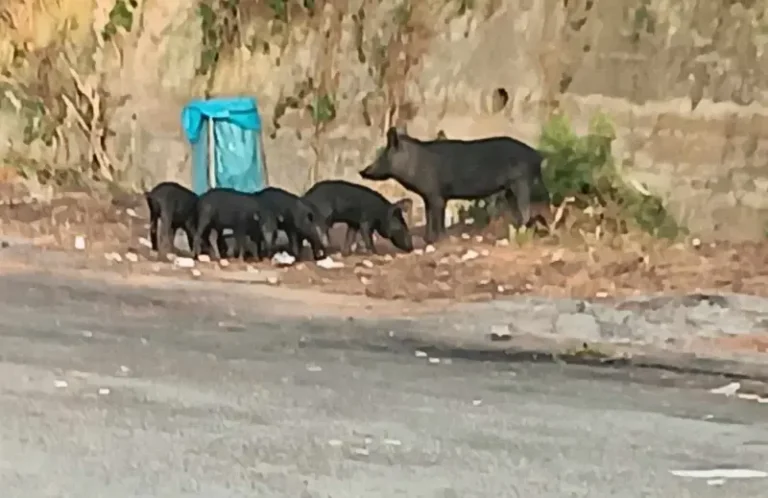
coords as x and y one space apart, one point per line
349 239
435 208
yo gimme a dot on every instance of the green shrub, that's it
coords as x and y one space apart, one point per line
583 167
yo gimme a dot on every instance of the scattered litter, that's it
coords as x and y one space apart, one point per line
393 442
365 281
251 269
478 238
232 326
184 263
204 258
391 333
130 212
80 243
335 443
368 439
601 294
273 280
696 242
500 289
103 391
485 253
223 263
283 259
728 389
196 273
87 333
145 242
367 263
477 402
144 341
720 473
418 252
434 361
429 249
61 384
113 256
470 255
465 236
132 257
170 256
361 451
502 242
421 354
314 368
388 257
124 369
716 482
762 400
329 264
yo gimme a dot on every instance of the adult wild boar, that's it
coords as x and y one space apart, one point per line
445 169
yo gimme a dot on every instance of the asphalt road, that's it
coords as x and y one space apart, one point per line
112 391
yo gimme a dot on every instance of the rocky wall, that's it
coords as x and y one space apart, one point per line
686 86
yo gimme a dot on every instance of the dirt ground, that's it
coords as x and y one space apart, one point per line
469 265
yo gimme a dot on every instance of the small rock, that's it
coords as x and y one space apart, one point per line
204 258
184 263
485 253
80 243
283 259
145 242
500 333
470 255
113 256
367 263
61 384
601 294
132 257
429 249
329 264
223 263
388 257
251 269
500 289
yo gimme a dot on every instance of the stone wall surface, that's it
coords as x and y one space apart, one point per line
685 82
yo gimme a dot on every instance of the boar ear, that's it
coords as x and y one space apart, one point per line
392 137
404 205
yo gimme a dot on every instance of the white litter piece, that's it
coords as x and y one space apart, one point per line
204 258
367 263
601 294
273 280
728 389
223 263
365 281
696 242
485 253
252 269
61 384
145 242
502 242
470 255
391 333
184 263
124 369
749 397
130 212
478 238
716 482
361 451
429 249
434 361
477 402
132 257
87 333
721 474
314 368
80 243
465 236
196 273
335 443
113 256
103 391
393 442
421 354
283 259
388 257
144 341
418 252
329 264
762 400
